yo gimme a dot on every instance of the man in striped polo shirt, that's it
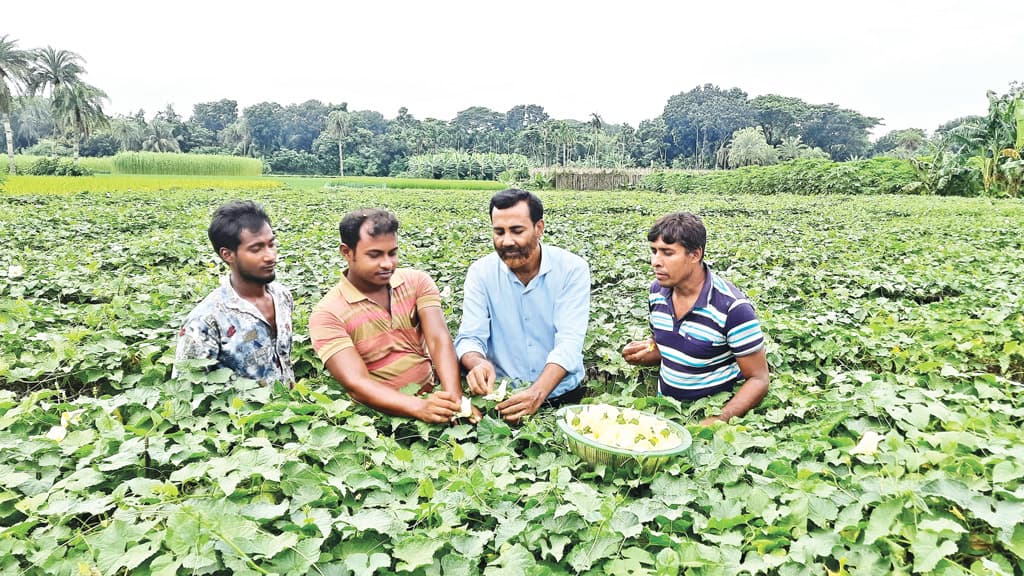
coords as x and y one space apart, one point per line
706 336
378 330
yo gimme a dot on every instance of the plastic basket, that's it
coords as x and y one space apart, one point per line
595 453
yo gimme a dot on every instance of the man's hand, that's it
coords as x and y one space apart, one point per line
439 408
641 353
710 420
520 404
481 378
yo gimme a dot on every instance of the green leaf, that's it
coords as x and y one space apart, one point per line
298 560
514 560
375 519
882 518
415 552
367 565
586 553
928 550
471 545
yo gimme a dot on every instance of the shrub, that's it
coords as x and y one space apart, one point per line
803 176
455 165
286 161
57 167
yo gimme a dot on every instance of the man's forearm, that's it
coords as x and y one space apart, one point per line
385 399
470 360
549 378
747 397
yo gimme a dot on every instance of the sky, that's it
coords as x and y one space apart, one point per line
913 63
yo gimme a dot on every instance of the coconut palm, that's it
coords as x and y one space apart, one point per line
14 67
79 110
33 119
339 123
160 137
77 106
238 135
128 132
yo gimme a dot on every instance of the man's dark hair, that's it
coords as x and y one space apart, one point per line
680 228
381 222
230 219
510 197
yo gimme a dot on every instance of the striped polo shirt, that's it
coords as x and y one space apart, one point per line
699 351
390 342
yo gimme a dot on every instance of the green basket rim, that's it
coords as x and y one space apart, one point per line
684 434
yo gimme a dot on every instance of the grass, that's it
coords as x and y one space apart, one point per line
16 185
186 164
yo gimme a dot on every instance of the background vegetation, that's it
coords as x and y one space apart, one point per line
48 110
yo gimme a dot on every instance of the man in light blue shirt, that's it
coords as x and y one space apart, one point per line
525 312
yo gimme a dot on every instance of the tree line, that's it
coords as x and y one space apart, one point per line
48 110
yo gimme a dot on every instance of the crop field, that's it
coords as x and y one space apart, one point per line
896 316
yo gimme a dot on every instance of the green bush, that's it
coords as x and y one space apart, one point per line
286 161
802 176
185 164
24 162
57 167
453 165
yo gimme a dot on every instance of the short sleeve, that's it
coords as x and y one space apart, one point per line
427 294
743 330
197 340
328 334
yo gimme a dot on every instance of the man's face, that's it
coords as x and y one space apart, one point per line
672 264
516 237
255 259
374 259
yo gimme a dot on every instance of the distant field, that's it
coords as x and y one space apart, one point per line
134 183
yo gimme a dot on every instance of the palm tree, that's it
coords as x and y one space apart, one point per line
34 119
79 108
596 125
128 132
160 137
994 139
239 136
339 123
14 67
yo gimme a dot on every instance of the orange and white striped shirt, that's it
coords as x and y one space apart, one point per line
390 342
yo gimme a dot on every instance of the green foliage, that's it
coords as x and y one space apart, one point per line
101 165
57 167
410 183
806 177
897 316
996 141
453 165
285 161
749 147
700 122
185 164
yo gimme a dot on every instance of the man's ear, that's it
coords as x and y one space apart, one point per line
346 252
540 227
228 256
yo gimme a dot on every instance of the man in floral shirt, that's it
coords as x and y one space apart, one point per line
246 323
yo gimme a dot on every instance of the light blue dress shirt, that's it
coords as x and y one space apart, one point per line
520 329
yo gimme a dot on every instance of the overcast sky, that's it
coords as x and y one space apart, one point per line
913 63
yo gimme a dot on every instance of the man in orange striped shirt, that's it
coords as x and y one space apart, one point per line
379 328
